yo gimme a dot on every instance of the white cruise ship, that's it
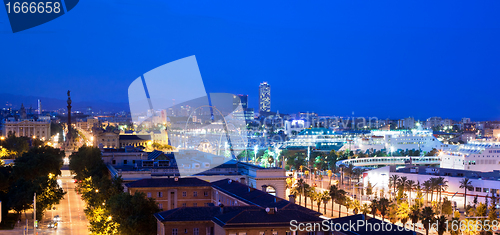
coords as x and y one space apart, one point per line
320 139
422 140
477 155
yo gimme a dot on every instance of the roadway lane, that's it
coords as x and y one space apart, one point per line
70 209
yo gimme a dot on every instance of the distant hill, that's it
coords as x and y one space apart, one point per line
54 104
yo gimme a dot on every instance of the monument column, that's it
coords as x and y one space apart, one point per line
68 136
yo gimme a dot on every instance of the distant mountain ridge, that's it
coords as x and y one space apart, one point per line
54 104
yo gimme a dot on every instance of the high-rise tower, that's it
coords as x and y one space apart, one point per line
39 107
264 97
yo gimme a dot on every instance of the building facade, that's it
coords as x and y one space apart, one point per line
171 193
27 127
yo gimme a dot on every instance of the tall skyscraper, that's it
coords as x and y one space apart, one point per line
39 107
264 97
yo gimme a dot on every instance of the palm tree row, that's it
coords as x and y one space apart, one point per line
401 185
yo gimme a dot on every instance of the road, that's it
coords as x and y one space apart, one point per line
70 209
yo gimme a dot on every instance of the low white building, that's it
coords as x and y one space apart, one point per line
475 156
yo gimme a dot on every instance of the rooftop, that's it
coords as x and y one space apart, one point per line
168 182
237 216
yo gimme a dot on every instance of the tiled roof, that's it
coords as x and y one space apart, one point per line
256 197
167 182
135 137
236 216
153 155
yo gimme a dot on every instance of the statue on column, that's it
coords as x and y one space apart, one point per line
68 136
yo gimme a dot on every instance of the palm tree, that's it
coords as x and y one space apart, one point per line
410 185
418 189
427 217
312 196
325 198
394 181
403 213
318 199
467 185
340 199
402 183
374 207
383 205
306 189
442 185
427 187
337 195
442 225
300 188
365 209
434 186
414 215
356 206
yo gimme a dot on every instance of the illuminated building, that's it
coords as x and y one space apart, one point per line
27 127
264 98
476 155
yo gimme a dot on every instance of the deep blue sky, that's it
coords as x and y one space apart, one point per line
374 58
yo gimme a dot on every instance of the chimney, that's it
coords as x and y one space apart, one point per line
221 206
264 188
291 198
270 211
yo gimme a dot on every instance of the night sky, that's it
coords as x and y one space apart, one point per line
374 58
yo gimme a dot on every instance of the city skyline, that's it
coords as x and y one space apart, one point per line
361 61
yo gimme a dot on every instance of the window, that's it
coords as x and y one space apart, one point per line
261 233
113 162
195 194
275 232
288 233
160 206
185 230
195 204
486 190
133 161
174 231
124 162
205 194
160 194
478 189
183 204
196 231
184 194
149 194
